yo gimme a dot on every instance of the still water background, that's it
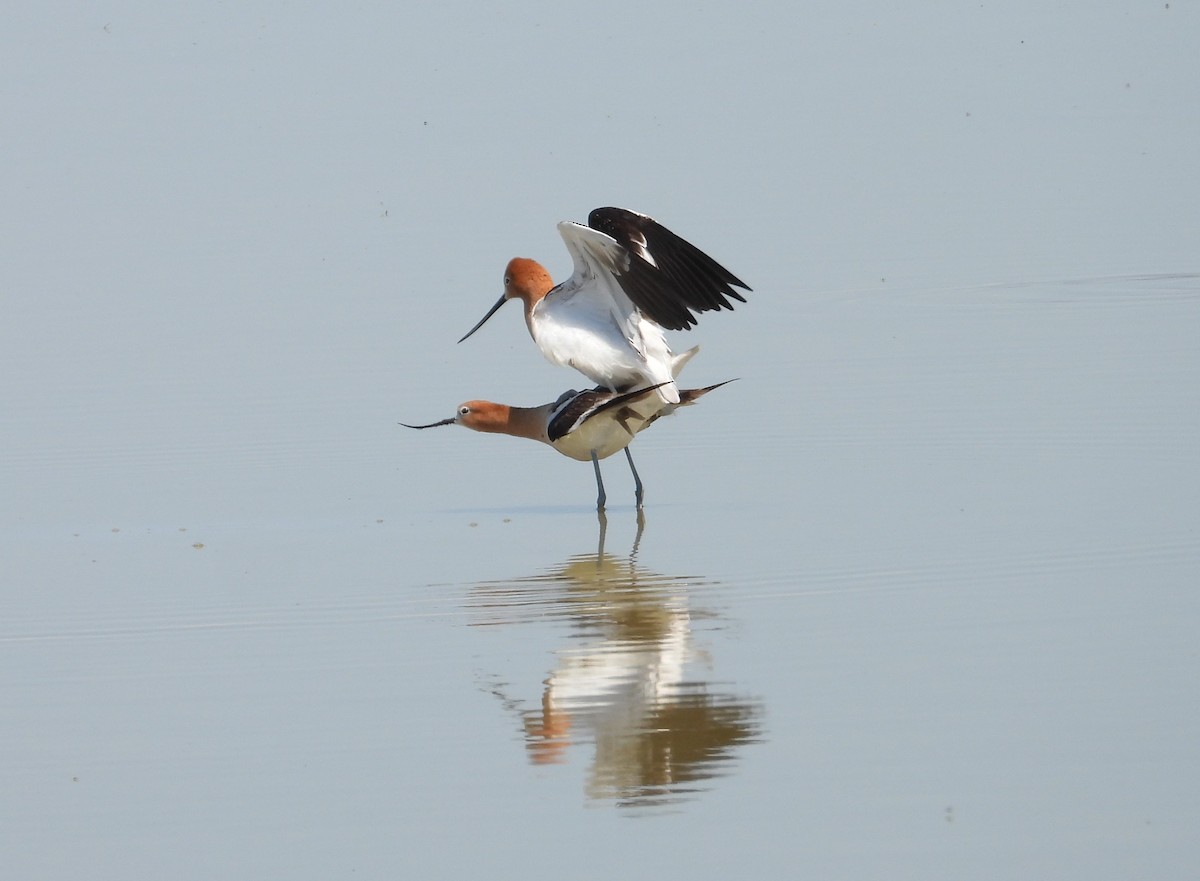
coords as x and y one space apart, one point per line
914 598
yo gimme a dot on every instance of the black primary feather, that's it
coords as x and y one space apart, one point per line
681 280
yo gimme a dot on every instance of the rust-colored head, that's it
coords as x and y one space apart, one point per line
476 415
493 418
483 416
526 280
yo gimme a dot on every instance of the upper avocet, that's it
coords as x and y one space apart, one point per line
633 279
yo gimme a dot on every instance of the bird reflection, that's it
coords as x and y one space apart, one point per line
630 681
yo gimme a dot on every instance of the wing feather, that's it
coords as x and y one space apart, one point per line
665 276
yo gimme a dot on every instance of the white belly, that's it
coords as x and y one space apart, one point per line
593 343
611 431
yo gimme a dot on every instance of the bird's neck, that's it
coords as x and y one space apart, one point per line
530 304
527 422
530 422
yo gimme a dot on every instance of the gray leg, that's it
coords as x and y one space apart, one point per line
637 481
603 529
599 482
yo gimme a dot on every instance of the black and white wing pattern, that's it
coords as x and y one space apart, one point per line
571 412
667 278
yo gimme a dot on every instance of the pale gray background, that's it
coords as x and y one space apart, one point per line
942 536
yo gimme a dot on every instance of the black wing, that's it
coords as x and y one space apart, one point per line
677 280
585 405
573 411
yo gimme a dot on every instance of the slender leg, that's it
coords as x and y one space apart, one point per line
599 482
603 529
637 540
637 481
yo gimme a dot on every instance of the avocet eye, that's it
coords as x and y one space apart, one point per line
464 410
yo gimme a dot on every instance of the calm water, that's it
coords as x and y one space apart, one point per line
914 598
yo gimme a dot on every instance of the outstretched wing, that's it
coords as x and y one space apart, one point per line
666 277
593 287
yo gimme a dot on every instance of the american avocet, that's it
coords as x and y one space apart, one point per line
633 279
587 426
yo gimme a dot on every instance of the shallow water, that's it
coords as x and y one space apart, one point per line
914 597
948 613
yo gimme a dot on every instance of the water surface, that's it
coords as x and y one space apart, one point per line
915 597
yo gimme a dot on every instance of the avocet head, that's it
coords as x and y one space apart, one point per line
525 280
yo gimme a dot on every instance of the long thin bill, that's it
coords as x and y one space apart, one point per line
430 425
483 320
